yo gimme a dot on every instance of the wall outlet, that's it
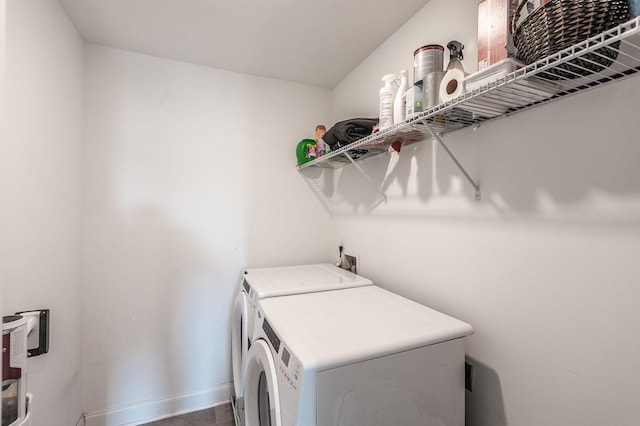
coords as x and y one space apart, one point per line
350 263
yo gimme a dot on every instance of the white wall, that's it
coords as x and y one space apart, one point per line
40 195
544 267
189 176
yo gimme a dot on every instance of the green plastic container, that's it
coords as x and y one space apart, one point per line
306 151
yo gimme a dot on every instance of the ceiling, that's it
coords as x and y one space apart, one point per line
316 42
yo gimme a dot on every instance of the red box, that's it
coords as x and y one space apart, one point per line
494 18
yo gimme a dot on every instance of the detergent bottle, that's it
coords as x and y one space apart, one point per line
387 96
321 146
399 103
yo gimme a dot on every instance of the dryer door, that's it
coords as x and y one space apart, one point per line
239 341
261 395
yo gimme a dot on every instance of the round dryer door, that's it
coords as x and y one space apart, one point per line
261 396
239 342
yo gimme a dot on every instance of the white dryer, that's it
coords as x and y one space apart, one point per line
262 283
356 357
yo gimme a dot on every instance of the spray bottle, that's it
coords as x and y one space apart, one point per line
455 55
399 104
452 84
387 96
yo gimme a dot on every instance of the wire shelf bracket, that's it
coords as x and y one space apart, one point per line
382 193
467 176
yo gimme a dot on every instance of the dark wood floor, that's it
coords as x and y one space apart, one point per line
222 415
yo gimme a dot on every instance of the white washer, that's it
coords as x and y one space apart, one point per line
262 283
355 357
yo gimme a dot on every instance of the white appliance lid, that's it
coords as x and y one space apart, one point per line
286 280
328 329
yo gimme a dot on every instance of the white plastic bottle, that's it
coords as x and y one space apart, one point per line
387 97
399 104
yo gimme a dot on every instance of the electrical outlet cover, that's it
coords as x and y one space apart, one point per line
351 263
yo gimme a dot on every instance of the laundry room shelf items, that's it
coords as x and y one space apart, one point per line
605 58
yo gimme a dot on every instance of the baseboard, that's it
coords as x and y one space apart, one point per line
148 411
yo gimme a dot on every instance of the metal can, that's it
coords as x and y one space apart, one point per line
431 89
426 60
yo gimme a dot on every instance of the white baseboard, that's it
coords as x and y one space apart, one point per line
148 411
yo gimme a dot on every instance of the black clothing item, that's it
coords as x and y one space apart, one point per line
348 131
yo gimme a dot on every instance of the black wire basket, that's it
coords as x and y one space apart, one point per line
559 24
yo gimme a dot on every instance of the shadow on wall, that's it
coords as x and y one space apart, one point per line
566 151
410 173
485 405
151 324
562 153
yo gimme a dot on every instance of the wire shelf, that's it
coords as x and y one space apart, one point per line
562 74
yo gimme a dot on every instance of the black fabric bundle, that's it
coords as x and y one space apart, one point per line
348 131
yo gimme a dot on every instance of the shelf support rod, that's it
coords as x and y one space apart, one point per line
384 196
437 137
